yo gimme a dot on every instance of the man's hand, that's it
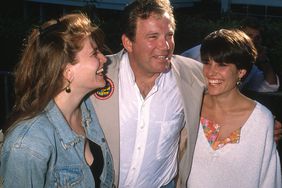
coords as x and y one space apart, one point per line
277 131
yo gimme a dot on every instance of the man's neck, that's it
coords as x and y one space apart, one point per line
145 80
145 85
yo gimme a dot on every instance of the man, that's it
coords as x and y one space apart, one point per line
265 79
152 97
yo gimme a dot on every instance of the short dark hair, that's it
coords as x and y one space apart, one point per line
143 9
229 46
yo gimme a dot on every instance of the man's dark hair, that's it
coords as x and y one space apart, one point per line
143 9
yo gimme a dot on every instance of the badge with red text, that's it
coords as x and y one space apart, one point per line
105 92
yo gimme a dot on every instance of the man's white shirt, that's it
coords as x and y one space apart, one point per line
149 130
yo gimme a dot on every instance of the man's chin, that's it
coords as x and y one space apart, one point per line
167 68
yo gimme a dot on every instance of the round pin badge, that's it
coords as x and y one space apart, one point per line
105 92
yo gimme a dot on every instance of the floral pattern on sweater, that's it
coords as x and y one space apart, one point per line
212 133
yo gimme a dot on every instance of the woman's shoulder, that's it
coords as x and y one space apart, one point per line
39 124
35 134
262 116
263 110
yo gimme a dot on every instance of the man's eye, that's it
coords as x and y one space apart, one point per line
152 37
170 34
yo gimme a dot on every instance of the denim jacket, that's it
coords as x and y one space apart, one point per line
45 152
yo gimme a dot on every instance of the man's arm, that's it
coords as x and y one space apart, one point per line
263 63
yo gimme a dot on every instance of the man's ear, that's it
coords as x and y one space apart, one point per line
68 72
127 43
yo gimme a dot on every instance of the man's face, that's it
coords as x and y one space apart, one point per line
254 34
150 53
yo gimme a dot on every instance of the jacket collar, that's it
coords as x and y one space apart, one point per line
67 137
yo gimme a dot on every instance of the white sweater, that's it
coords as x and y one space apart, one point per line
252 163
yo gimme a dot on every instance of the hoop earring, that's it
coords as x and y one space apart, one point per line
68 89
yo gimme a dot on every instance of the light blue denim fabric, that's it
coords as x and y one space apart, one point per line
45 152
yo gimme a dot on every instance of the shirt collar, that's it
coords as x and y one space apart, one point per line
126 66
